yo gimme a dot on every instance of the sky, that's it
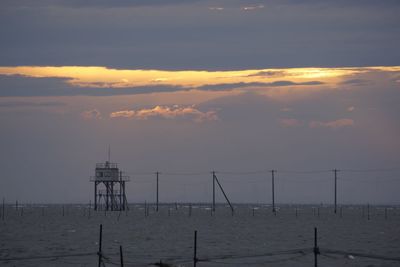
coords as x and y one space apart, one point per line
189 87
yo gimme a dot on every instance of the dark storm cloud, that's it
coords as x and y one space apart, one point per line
190 36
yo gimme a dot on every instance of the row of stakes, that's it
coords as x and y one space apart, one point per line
316 211
316 250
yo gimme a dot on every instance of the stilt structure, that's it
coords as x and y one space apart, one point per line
109 187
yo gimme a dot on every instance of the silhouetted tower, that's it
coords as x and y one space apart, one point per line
109 187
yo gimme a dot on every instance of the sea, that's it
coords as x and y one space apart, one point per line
190 234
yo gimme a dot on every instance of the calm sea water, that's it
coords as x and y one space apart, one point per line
251 236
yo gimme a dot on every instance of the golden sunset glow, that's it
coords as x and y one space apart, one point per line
181 89
102 77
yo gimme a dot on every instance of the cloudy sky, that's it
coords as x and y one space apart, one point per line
187 87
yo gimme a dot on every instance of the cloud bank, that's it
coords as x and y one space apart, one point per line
97 80
165 112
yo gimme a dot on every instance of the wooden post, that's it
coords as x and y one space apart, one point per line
316 249
335 200
273 190
157 173
195 249
121 256
95 195
100 240
3 210
121 199
213 203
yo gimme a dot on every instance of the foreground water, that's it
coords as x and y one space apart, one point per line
41 235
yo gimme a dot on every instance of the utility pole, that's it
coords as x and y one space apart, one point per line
213 203
273 190
157 173
335 173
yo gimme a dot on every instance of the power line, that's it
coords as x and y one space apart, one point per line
140 173
261 171
244 172
184 173
370 170
304 172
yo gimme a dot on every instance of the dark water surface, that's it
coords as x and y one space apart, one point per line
252 236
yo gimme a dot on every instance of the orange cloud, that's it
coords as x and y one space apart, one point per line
102 77
93 114
340 123
123 114
167 113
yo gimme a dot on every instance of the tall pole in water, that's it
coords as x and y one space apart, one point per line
121 204
213 205
157 173
335 173
3 210
95 195
273 190
195 259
